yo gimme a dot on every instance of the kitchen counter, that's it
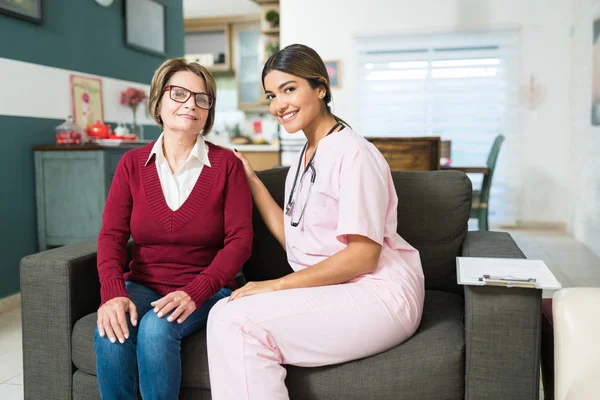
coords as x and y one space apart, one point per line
261 156
251 147
124 145
222 141
130 145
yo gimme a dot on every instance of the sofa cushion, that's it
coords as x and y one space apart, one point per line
268 259
433 212
85 386
82 344
430 365
194 361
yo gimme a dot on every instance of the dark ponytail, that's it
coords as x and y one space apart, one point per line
302 61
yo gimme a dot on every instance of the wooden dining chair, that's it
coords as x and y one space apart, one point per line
479 206
410 153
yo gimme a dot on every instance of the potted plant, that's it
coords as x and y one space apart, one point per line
272 18
271 48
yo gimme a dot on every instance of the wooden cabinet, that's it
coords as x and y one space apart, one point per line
71 189
261 160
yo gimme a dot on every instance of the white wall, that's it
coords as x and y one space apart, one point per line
45 93
585 138
329 27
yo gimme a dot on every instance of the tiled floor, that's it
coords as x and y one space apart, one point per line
572 263
11 357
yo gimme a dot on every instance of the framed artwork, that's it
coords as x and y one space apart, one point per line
333 70
86 97
596 74
29 10
145 26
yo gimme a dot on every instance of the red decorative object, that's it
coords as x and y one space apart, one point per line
68 138
98 131
124 137
69 132
257 126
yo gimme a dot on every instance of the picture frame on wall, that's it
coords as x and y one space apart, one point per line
86 100
333 70
596 74
28 10
145 26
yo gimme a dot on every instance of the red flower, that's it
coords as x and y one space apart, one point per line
132 97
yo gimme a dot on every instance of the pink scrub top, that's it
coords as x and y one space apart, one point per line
352 194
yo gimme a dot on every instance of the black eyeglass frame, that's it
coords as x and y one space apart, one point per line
169 88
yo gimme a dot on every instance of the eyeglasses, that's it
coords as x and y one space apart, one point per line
181 95
297 210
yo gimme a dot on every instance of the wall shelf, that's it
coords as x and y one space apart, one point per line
270 31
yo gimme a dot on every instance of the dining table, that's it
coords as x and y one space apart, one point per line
473 169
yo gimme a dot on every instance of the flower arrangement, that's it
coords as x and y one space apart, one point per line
132 98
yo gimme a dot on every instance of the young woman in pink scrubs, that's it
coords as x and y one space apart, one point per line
357 288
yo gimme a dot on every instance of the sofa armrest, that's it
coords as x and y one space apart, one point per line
491 245
502 328
58 287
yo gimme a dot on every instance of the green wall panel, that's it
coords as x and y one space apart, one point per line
18 230
81 35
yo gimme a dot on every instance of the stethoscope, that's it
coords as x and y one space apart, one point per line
290 202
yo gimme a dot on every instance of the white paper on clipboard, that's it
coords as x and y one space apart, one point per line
472 270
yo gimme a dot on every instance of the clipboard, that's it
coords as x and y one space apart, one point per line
508 281
506 272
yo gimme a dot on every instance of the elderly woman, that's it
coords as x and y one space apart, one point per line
187 205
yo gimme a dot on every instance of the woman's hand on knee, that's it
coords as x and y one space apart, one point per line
112 318
179 301
252 288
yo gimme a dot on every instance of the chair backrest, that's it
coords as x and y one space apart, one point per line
486 185
410 153
433 211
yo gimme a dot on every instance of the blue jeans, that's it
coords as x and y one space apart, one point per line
151 353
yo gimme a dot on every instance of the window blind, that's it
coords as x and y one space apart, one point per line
462 87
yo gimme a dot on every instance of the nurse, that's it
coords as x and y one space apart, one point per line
357 288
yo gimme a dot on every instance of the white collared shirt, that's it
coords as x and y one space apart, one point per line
177 186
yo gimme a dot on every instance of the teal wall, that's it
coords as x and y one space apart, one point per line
76 35
81 35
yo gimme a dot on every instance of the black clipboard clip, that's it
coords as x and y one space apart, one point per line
508 281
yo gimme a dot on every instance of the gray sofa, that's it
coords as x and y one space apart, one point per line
473 342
